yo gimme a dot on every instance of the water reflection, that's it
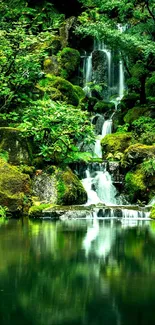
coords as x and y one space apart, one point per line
77 272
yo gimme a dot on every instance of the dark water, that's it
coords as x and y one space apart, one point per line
77 272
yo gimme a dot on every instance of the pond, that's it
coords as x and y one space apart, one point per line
77 272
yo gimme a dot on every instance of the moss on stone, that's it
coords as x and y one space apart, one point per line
79 91
11 141
68 59
135 184
104 107
70 189
50 65
14 187
136 153
36 210
134 113
152 214
59 89
113 143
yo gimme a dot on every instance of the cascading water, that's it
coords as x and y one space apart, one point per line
98 182
87 74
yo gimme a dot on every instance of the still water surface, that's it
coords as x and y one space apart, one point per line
77 272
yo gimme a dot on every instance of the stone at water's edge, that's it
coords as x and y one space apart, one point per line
60 186
14 188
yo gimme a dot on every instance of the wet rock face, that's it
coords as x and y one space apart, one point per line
14 187
44 187
99 65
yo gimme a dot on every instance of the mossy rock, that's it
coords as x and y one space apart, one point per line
113 143
59 89
135 185
11 141
136 112
104 107
129 100
70 189
14 187
136 153
79 91
50 65
69 60
152 214
36 211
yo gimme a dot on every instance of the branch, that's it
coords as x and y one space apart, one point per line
149 10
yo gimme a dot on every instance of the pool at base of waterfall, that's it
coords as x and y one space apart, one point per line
77 272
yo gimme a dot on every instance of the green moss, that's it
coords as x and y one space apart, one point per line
59 89
36 210
135 184
70 189
136 153
152 215
134 113
103 107
50 65
68 59
114 143
79 91
17 150
13 187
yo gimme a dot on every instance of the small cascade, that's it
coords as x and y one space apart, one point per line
87 74
92 195
107 128
99 187
121 80
105 189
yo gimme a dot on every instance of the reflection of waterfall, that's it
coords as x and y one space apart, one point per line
100 237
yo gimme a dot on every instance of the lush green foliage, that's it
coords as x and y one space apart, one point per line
56 129
127 26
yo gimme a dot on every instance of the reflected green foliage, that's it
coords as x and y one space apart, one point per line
48 271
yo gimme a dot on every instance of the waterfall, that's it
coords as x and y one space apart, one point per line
121 80
107 127
99 187
87 74
105 189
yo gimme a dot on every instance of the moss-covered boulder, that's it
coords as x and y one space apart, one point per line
135 185
59 89
69 60
136 153
70 189
114 143
11 141
152 214
51 65
104 107
14 188
136 112
79 91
